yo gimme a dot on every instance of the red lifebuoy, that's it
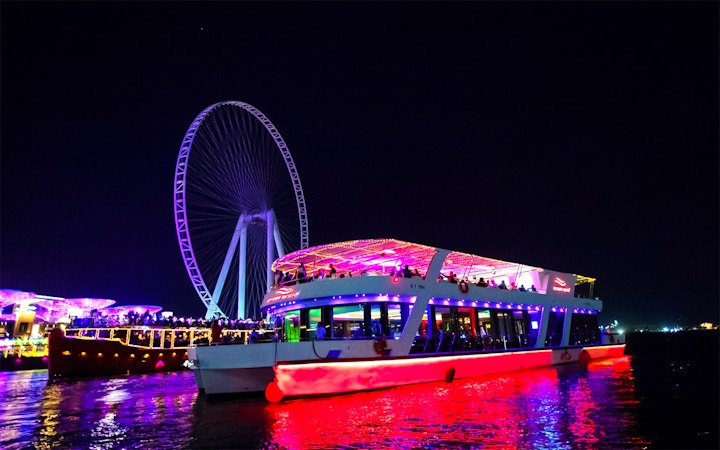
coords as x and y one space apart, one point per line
463 286
380 346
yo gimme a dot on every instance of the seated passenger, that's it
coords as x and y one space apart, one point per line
452 277
522 288
481 282
406 272
301 274
503 285
532 289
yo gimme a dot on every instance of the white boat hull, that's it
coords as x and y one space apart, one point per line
327 377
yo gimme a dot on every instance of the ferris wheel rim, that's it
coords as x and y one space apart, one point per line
180 209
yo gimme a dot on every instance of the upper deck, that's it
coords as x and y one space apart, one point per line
375 267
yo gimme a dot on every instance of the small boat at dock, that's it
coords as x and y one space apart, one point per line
107 351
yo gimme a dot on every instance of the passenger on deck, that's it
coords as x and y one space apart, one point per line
406 272
416 273
301 273
278 277
320 332
333 272
532 289
452 277
522 288
481 282
503 285
216 331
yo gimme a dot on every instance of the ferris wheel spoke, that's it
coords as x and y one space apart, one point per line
238 199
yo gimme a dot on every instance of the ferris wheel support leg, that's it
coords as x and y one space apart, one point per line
269 227
213 307
242 272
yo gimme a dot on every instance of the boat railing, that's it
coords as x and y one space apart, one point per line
149 337
24 347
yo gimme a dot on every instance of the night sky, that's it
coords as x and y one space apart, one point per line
575 136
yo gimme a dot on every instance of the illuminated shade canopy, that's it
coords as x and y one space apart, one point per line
379 256
88 303
137 309
11 296
51 310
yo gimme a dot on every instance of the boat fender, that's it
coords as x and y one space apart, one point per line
273 393
463 286
565 356
450 375
585 357
380 346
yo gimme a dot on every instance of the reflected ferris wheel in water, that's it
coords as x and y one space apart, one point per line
238 205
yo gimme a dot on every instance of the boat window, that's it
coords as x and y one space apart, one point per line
397 316
446 324
584 329
504 329
292 326
348 322
522 326
467 321
555 328
314 319
534 319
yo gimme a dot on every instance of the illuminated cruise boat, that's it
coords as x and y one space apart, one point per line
397 313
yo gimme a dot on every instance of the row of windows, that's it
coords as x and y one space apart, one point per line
451 328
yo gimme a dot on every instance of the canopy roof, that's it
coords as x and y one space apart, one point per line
382 255
138 309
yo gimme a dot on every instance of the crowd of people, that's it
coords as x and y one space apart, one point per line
300 275
452 278
98 319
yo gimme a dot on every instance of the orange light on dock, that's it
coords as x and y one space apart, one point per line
83 354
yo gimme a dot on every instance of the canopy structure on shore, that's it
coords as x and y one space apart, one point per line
126 309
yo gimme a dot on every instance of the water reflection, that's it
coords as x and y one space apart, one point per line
569 407
565 408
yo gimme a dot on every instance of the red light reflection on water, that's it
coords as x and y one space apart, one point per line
562 407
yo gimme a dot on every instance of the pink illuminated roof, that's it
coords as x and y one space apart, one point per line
138 309
11 296
88 303
381 255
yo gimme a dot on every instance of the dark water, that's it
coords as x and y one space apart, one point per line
622 403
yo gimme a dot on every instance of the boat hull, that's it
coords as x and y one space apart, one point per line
71 357
297 379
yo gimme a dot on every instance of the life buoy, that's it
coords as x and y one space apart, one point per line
380 346
565 356
450 375
463 286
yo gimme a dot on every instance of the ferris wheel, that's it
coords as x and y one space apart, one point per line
239 205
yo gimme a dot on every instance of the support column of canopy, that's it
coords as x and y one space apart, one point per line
421 302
